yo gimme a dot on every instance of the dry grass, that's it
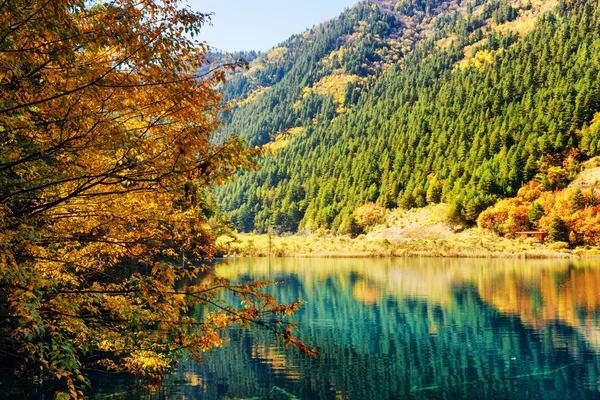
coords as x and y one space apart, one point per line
472 243
590 176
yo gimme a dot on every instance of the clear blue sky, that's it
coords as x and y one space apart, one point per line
262 24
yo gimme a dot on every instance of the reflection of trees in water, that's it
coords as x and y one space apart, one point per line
539 292
379 340
569 295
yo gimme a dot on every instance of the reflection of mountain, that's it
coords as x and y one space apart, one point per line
419 328
538 292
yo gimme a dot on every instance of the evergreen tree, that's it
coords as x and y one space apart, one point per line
434 192
536 211
558 230
576 201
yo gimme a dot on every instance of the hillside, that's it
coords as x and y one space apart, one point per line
405 103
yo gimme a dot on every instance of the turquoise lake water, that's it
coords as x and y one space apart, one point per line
410 329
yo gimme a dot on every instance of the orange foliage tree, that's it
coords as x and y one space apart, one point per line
105 158
368 214
511 215
569 214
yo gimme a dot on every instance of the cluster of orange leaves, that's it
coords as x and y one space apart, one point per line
512 215
105 159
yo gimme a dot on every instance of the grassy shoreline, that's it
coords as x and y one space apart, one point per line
463 246
419 232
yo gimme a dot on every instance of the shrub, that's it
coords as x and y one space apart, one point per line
558 245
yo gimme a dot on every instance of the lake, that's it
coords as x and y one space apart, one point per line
425 328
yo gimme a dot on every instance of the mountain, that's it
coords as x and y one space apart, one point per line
404 103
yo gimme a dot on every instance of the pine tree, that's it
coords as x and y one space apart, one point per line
576 201
536 211
558 230
434 192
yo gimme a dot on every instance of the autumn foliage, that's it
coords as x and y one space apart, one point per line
105 161
570 215
368 214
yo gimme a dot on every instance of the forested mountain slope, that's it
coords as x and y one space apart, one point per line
407 102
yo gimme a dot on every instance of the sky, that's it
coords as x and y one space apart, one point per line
262 24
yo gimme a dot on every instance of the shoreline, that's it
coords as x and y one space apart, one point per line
315 246
421 232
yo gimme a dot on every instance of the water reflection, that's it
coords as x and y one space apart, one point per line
416 328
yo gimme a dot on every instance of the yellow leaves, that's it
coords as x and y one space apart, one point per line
101 142
335 85
368 214
108 364
527 19
147 362
252 96
71 394
282 139
479 60
277 55
446 42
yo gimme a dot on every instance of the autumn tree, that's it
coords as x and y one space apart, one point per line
506 217
368 215
106 157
